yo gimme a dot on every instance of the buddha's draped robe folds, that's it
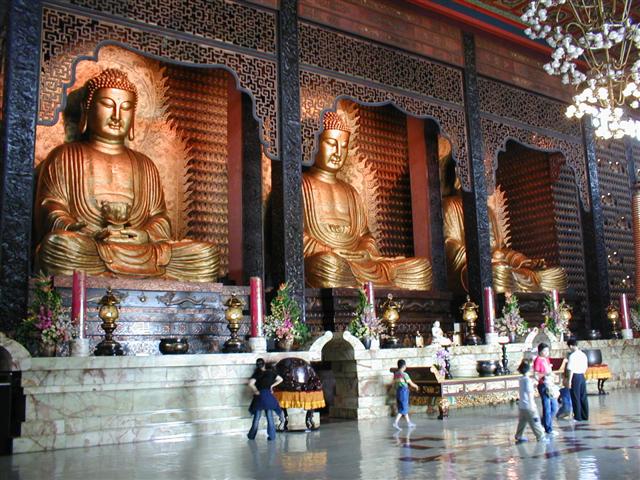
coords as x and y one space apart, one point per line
64 197
512 270
336 235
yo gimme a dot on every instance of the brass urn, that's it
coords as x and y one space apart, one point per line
566 315
233 314
390 316
108 313
614 317
469 316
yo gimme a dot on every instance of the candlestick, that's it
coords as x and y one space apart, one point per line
78 301
490 311
368 291
257 308
556 299
624 309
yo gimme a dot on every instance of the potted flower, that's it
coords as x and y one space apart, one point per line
48 324
556 319
511 323
365 326
635 318
284 324
442 362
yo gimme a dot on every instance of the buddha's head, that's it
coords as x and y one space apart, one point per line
109 107
333 145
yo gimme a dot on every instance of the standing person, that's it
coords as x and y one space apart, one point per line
577 366
262 382
543 372
528 412
401 382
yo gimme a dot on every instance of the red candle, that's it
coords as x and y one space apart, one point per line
624 308
556 299
490 311
257 310
368 290
78 301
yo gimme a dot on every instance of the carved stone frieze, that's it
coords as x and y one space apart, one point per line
221 20
321 92
514 103
68 37
360 58
496 134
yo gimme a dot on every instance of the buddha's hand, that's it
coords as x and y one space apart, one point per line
75 226
354 255
129 236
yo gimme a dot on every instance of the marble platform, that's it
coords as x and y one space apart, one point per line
77 402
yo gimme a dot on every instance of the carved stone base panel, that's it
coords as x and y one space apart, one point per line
333 309
154 309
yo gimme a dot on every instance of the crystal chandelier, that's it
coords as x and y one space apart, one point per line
602 38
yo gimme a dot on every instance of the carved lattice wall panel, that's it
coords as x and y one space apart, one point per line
496 134
383 142
567 216
363 59
528 108
220 20
198 104
321 92
524 175
615 194
68 36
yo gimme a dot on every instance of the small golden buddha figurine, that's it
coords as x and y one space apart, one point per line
100 206
339 250
512 270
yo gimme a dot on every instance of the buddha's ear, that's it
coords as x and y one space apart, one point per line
83 121
132 133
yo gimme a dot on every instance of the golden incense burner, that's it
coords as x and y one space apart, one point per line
233 314
109 314
390 316
614 317
470 315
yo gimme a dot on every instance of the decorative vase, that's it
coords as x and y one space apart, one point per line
366 341
47 349
284 345
512 337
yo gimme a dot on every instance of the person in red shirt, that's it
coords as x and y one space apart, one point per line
543 372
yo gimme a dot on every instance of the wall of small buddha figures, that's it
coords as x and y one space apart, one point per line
195 60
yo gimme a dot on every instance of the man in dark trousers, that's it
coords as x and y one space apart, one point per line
577 367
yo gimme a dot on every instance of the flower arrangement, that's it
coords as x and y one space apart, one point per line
48 322
511 320
365 324
285 321
554 320
443 356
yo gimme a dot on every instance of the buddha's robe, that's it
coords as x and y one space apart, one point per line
65 195
512 270
340 251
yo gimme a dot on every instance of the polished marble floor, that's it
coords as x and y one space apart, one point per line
472 443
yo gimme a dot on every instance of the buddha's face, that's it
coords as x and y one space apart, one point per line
333 150
110 114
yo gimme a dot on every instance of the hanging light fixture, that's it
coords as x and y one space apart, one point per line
602 36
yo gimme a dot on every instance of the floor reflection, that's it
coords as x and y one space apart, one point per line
472 443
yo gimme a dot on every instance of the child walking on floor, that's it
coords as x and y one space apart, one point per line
401 382
528 412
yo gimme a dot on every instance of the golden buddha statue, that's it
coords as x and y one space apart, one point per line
100 206
339 250
512 271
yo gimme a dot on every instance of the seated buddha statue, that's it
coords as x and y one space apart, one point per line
512 271
100 206
339 250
